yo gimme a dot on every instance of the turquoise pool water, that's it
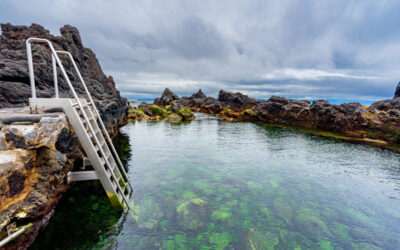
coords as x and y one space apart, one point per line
210 184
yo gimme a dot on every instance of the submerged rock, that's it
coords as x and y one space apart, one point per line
192 213
311 225
221 240
257 239
148 213
283 210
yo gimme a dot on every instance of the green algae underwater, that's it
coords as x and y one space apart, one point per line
210 184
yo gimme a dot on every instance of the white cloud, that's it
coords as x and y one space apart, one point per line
262 47
309 74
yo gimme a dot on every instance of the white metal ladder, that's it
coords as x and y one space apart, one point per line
93 136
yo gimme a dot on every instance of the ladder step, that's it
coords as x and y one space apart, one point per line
90 119
82 176
91 135
95 142
97 147
76 106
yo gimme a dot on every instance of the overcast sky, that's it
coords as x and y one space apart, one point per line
337 49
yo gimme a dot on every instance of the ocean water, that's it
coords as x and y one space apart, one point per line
332 101
210 184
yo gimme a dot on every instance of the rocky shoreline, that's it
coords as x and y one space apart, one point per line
173 112
38 150
378 124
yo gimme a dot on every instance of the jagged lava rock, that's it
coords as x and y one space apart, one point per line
397 92
281 109
236 101
14 77
199 95
166 98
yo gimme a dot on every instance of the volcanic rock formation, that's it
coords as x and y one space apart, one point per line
14 78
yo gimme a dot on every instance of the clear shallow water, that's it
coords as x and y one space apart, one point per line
214 185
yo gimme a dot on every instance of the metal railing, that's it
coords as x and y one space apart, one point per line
56 61
15 234
103 127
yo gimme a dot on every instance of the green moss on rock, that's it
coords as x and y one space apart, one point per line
157 110
258 239
221 240
249 112
192 213
227 111
186 114
173 118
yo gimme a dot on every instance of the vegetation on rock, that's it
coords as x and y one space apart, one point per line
169 113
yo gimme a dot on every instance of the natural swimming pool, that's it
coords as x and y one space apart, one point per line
210 184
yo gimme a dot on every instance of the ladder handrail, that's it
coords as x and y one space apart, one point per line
58 62
109 141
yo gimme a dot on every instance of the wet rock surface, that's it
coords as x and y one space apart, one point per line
14 78
34 162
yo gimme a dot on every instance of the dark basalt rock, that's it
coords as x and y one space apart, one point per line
397 92
282 109
66 142
29 165
14 78
176 106
15 183
199 95
384 105
166 98
236 101
16 140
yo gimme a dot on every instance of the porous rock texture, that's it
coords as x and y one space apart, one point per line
34 161
14 77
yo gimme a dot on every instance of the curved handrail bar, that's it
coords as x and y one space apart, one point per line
30 64
97 114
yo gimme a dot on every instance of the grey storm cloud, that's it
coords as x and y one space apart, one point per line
295 48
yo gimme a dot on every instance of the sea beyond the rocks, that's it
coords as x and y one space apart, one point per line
332 101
